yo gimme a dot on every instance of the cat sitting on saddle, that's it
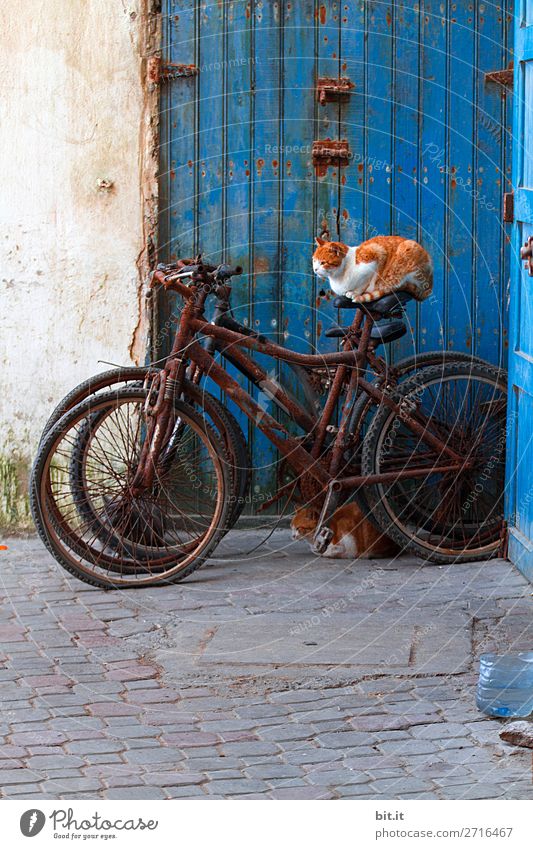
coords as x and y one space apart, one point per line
353 534
380 266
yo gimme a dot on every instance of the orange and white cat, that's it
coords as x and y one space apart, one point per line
377 267
353 535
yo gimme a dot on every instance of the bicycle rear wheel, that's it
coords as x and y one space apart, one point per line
365 407
443 516
103 533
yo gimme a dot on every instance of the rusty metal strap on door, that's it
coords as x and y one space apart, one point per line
159 71
333 89
327 152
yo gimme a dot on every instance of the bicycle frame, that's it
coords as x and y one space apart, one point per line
349 364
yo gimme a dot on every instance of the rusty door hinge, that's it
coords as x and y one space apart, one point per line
508 207
327 152
526 253
503 77
159 71
333 89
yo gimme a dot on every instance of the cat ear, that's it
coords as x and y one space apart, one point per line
320 241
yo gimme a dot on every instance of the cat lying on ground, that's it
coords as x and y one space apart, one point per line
381 266
353 534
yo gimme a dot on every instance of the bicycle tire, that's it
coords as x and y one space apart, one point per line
48 526
227 424
392 518
364 405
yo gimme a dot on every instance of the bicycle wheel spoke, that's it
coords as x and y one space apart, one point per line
96 519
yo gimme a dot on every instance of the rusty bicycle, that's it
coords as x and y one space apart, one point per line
139 474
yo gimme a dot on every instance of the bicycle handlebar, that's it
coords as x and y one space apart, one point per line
170 275
224 272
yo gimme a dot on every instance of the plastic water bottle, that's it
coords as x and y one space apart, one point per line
506 684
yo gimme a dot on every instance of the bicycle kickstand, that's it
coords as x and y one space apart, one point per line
323 534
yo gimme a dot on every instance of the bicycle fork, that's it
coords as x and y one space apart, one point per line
162 426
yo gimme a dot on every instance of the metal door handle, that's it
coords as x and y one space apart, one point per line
526 253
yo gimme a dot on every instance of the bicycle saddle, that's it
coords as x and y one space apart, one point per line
386 305
384 330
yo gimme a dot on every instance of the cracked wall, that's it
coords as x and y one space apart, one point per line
77 208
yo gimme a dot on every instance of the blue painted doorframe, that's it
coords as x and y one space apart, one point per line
429 140
520 418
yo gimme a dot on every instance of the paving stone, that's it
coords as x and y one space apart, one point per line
234 786
19 776
141 792
106 716
190 791
163 779
386 722
303 792
283 733
8 752
214 765
347 739
400 785
108 708
408 747
59 761
473 791
21 790
192 739
201 752
438 731
251 748
313 756
94 747
268 771
337 777
152 756
72 786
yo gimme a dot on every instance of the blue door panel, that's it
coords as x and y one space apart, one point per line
520 416
430 145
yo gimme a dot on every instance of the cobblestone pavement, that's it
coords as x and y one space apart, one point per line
274 676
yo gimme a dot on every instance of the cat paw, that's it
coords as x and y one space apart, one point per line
336 551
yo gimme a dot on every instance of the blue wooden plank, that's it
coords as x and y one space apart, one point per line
296 178
327 125
238 69
507 154
460 173
405 172
296 175
379 140
524 43
177 154
519 501
488 187
211 132
265 270
211 124
433 180
523 204
352 124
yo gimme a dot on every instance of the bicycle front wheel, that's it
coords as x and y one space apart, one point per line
444 516
95 525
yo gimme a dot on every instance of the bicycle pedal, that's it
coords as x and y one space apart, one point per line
322 540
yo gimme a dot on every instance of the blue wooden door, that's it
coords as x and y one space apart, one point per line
428 139
520 421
